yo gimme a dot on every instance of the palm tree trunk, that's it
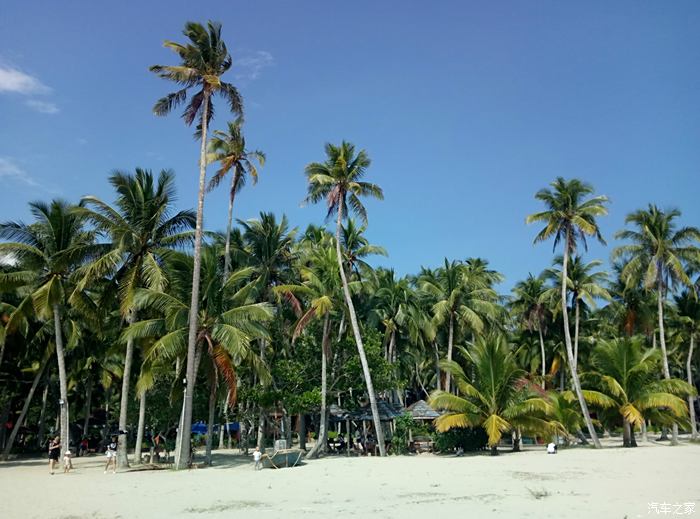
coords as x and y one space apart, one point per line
88 404
691 399
358 338
576 325
210 422
626 433
229 225
261 418
392 347
183 439
570 353
25 408
320 445
544 359
224 412
302 431
141 427
662 340
42 414
122 448
450 341
437 365
62 381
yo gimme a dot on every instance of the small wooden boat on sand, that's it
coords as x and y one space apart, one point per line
283 458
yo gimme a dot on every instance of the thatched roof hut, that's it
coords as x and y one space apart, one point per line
422 411
387 412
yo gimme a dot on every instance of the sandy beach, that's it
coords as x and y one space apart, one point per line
577 482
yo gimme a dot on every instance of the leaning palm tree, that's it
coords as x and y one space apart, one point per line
585 285
627 375
338 181
140 229
50 251
203 60
497 397
659 256
527 304
229 150
570 218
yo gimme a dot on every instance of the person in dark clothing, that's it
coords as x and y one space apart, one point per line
54 453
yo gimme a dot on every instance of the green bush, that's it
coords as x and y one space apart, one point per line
469 439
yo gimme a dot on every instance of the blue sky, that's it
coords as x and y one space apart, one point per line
466 109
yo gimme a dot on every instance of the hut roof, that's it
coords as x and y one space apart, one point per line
338 413
422 411
387 412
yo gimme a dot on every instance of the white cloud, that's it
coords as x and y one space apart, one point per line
15 81
42 107
251 65
9 170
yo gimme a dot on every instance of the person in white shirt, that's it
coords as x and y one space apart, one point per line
551 448
257 455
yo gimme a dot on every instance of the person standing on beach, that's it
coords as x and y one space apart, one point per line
257 455
54 452
112 455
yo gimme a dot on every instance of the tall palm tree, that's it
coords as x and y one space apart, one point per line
140 230
268 249
50 251
585 285
497 398
659 255
528 305
626 374
321 289
338 181
229 150
570 218
203 61
688 308
228 322
464 299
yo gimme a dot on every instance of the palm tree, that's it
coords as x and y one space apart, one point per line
50 250
585 285
564 412
659 255
267 248
527 304
497 398
689 320
229 150
570 218
140 229
464 298
321 289
228 321
626 375
203 60
357 247
338 181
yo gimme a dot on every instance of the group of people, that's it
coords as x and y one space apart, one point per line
55 453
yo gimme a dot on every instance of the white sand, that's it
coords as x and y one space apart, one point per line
612 482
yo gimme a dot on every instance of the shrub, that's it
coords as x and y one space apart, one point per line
469 439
